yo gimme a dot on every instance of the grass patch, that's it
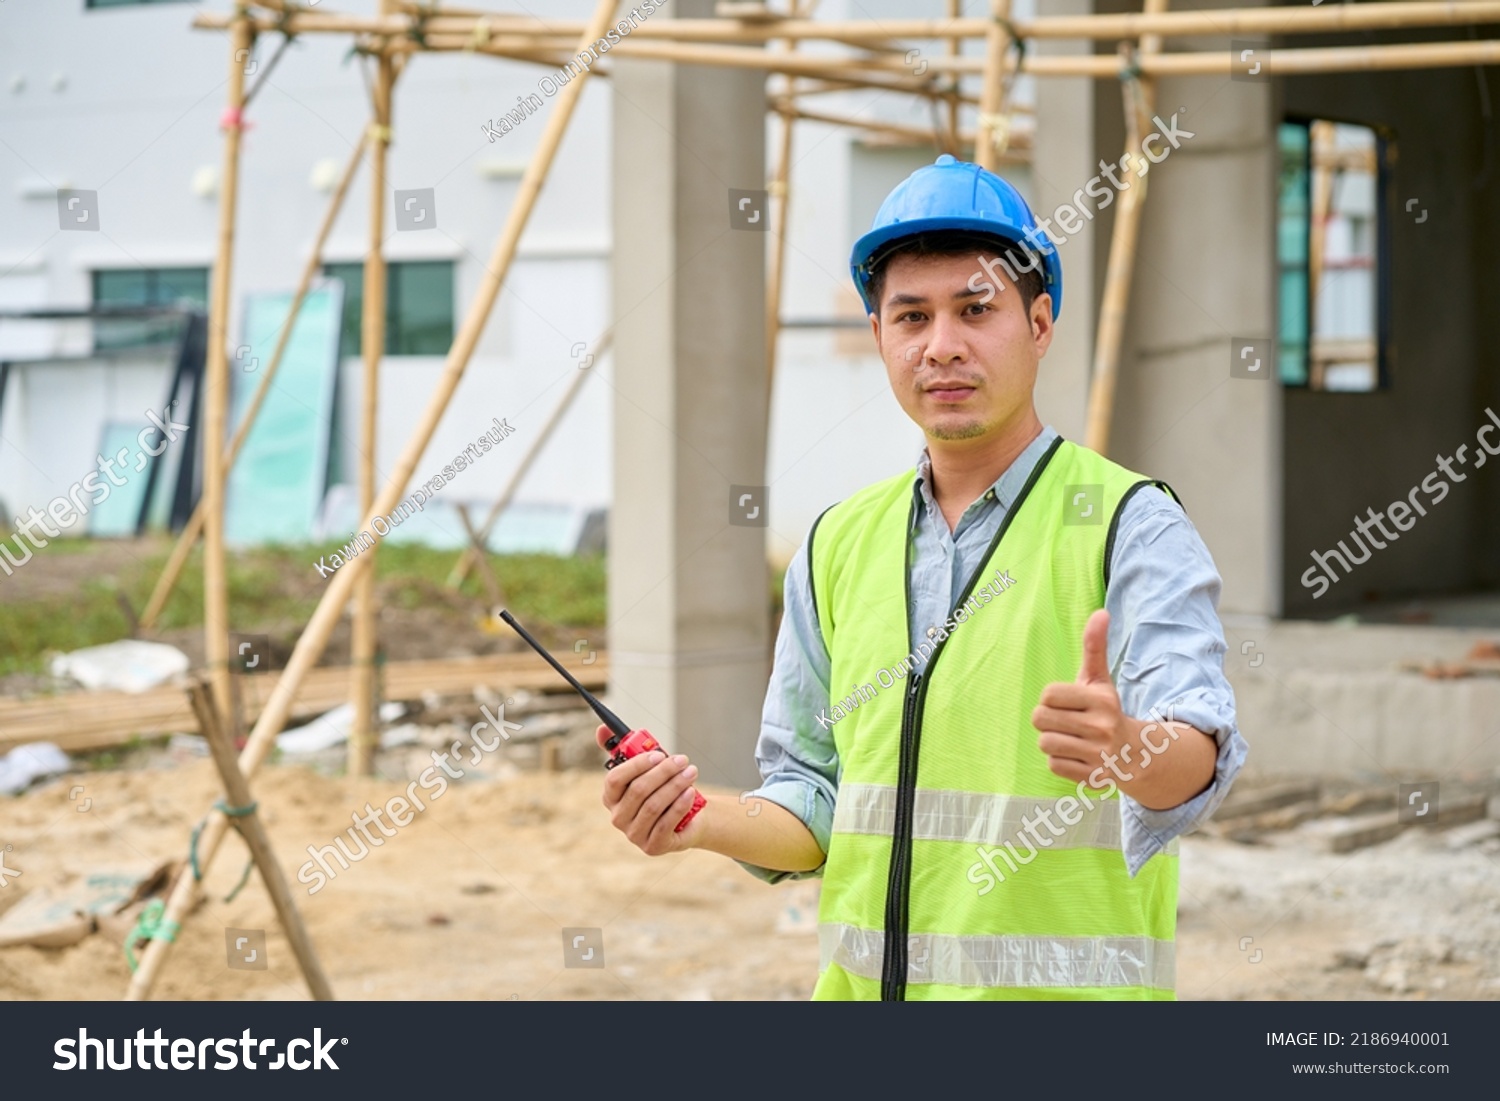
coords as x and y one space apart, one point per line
274 586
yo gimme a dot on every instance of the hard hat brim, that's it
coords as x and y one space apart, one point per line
869 249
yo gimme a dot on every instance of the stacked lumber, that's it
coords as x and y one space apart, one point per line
78 721
1344 823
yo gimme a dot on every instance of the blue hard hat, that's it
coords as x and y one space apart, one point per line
955 194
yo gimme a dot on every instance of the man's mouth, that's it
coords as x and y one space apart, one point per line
948 391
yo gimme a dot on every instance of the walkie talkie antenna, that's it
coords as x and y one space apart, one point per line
616 725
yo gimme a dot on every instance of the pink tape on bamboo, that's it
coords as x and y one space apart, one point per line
233 119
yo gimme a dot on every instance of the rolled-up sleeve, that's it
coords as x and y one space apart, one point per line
798 761
1166 650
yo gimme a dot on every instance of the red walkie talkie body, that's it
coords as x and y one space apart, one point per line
623 742
633 743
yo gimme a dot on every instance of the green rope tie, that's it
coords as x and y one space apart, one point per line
1015 37
229 812
150 925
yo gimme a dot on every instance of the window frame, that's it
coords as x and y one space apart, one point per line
1385 158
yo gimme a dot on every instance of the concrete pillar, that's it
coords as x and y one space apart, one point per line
689 631
1205 280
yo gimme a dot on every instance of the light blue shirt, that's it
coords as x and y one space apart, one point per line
1165 649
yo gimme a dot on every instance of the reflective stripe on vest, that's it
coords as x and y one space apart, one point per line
982 819
1056 962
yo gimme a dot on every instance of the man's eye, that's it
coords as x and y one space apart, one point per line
979 307
910 315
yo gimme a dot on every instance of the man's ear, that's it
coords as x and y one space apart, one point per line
1042 327
875 328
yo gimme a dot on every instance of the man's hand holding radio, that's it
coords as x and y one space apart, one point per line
647 796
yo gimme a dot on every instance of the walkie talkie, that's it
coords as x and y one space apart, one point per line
623 743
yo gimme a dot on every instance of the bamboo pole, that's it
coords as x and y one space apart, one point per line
466 561
812 87
256 839
955 48
895 130
856 69
992 97
1320 141
365 636
215 407
780 196
487 574
1110 336
1333 59
179 556
314 638
1384 15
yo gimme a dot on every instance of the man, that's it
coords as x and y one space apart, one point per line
945 675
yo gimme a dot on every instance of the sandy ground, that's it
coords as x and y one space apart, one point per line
470 900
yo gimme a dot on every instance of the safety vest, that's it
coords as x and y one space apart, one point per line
960 866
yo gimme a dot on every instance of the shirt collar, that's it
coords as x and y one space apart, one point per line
1006 487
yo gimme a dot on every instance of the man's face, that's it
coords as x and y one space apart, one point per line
961 367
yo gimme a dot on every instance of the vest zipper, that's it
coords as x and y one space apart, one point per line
898 881
898 886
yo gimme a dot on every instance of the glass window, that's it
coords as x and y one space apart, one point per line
419 307
1331 256
146 287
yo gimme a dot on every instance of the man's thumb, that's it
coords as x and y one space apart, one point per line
1095 667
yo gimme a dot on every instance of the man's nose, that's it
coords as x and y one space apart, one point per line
945 341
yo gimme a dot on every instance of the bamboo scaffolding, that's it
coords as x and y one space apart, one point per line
780 203
1330 59
1284 19
216 370
184 546
314 638
365 636
954 48
251 828
992 98
1139 98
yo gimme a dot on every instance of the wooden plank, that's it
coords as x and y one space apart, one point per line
95 720
1264 799
1346 835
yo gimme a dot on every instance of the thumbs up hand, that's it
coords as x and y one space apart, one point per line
1081 724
